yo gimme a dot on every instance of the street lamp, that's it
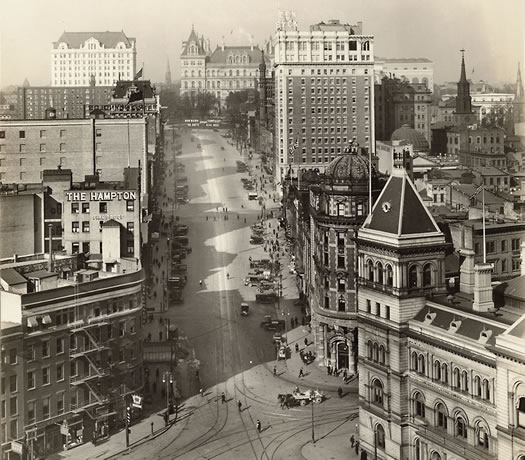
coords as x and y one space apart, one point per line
166 293
312 404
168 378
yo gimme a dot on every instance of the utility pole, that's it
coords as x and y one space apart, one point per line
167 377
312 403
128 423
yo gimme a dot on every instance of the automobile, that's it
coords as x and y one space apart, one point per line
266 297
180 230
176 296
277 337
281 353
256 240
252 196
245 309
179 268
180 240
270 324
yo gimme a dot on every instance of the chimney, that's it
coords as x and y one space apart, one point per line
466 271
50 261
222 43
483 301
523 258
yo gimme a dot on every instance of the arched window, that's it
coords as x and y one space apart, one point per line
369 348
237 72
208 83
437 370
441 416
486 389
520 406
415 80
413 359
379 268
412 276
366 46
193 84
444 373
200 73
186 73
185 85
477 386
435 456
218 83
456 381
244 61
200 84
370 271
427 275
464 381
421 364
237 84
376 352
340 209
192 73
482 436
380 436
419 405
377 393
460 429
382 354
389 275
231 73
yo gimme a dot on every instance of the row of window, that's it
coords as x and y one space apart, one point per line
22 134
317 71
491 246
377 309
460 378
75 226
102 207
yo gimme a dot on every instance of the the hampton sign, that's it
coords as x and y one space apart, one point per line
101 196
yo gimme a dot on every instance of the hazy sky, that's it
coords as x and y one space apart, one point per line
491 31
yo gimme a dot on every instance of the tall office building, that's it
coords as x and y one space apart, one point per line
324 92
105 56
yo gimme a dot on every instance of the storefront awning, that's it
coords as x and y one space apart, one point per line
46 319
32 322
103 416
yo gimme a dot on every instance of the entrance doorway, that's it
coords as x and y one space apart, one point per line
342 355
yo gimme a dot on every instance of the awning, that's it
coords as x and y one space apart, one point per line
32 322
103 416
46 319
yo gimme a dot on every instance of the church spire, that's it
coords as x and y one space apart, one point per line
463 99
519 94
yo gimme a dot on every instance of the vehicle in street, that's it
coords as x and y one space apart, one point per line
304 397
182 179
180 230
245 309
282 353
176 296
183 240
179 268
260 263
278 338
266 297
252 196
176 282
256 240
270 324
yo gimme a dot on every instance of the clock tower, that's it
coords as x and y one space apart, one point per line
401 261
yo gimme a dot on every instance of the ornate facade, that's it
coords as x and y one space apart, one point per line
221 71
338 206
439 374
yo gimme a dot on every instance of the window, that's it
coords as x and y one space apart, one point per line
412 276
340 261
121 329
12 356
421 364
13 406
444 373
62 133
75 208
370 271
389 275
31 380
482 436
130 205
45 407
42 134
427 275
3 409
341 304
491 246
379 269
85 226
13 384
22 134
368 306
377 392
130 227
515 244
419 405
31 406
441 416
103 207
341 285
521 412
42 147
380 436
85 208
75 247
2 134
60 403
45 376
22 148
503 245
461 428
62 147
387 311
60 372
75 227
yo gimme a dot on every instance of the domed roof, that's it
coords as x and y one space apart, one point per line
406 133
348 167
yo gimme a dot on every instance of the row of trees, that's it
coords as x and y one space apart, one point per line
190 105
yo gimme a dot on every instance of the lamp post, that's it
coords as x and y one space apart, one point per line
168 258
312 404
168 378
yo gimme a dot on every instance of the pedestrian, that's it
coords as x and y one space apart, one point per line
239 405
160 336
328 369
301 373
227 275
296 322
200 282
258 425
157 373
291 321
356 445
297 348
352 440
223 398
340 392
345 374
274 371
149 336
201 391
305 341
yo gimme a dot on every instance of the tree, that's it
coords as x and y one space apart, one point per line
500 117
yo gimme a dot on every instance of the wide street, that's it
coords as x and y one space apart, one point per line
236 355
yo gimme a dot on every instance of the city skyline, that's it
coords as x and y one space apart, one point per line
236 22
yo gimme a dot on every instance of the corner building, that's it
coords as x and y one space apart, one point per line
338 207
441 375
324 92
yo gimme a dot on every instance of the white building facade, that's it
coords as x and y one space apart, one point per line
324 92
79 57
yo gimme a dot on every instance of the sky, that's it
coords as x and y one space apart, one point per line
491 31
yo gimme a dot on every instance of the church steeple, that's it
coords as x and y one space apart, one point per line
519 94
463 113
519 99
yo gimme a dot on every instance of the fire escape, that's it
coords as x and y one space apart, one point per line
93 367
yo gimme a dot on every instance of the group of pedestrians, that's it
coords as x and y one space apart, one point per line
258 425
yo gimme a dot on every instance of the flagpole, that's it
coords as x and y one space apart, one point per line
483 214
369 181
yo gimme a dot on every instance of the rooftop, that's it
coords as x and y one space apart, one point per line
107 39
11 277
220 56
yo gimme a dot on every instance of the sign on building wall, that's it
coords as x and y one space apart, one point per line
101 196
